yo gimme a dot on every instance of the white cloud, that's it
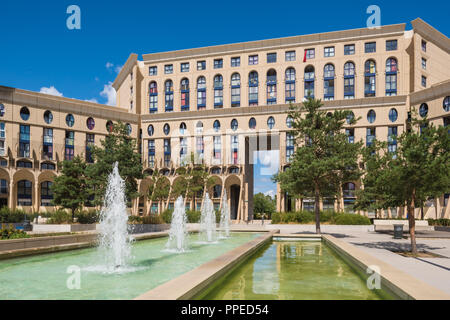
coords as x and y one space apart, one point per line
118 68
270 193
52 91
92 100
109 65
109 93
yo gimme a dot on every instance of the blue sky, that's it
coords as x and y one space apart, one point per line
38 51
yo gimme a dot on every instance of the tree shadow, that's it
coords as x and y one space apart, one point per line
395 246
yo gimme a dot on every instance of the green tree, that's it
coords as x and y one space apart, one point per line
69 188
418 170
324 158
263 204
117 146
159 188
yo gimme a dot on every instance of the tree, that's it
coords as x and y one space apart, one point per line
159 189
117 146
324 158
69 188
418 170
263 204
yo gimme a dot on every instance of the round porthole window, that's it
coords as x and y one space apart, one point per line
393 115
234 124
2 110
150 130
271 123
24 113
109 126
252 123
70 120
423 110
90 123
48 117
166 129
371 116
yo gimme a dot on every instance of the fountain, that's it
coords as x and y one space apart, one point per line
114 239
208 221
178 232
224 217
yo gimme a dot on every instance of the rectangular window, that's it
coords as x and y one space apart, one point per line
350 135
252 60
253 95
289 146
218 97
424 64
370 136
369 86
391 45
235 97
2 139
70 145
90 141
290 56
234 149
370 47
310 53
201 65
153 71
48 144
236 62
201 99
328 52
328 89
349 88
217 151
392 139
185 67
167 152
391 84
271 57
349 49
168 68
424 46
200 148
424 81
218 63
24 141
183 150
151 153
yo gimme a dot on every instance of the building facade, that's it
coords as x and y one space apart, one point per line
224 103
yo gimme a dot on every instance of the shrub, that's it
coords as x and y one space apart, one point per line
9 232
305 216
167 215
193 216
439 222
152 219
88 217
14 216
134 220
351 219
60 216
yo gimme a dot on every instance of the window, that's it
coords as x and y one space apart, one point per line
423 110
252 123
446 104
168 90
129 128
290 55
349 80
70 120
234 124
153 97
24 164
48 117
2 139
168 68
253 88
167 152
424 81
369 78
184 94
69 145
393 115
218 63
166 129
350 117
370 47
24 192
392 139
216 126
90 123
183 150
350 132
216 170
349 49
217 191
201 93
2 110
235 90
391 77
3 186
183 128
201 65
271 57
328 74
48 166
152 71
200 148
218 91
90 141
310 53
234 149
391 45
236 61
24 113
348 192
309 82
328 52
217 153
48 144
151 153
271 87
424 64
150 130
289 146
371 116
253 60
184 67
370 136
424 46
46 194
289 121
271 122
24 141
290 85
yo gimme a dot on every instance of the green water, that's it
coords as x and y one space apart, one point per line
45 276
293 270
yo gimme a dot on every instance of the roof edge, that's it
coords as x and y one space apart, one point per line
431 34
129 64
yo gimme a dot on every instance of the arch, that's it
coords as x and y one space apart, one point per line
253 83
309 78
184 88
271 87
328 81
391 76
370 70
235 89
201 92
218 91
349 80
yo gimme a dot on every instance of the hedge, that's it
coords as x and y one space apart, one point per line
439 222
325 216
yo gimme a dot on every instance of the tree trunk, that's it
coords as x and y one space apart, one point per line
412 224
73 215
317 209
